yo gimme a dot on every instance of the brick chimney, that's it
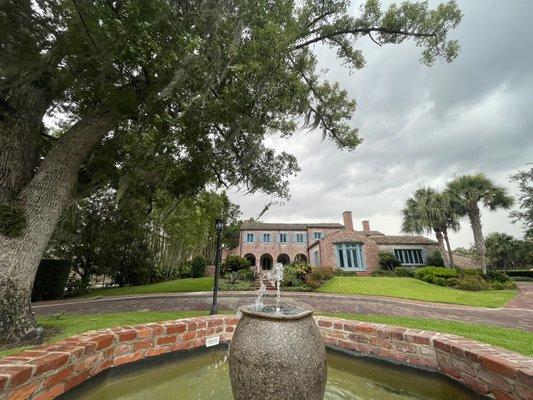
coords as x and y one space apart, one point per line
366 226
348 221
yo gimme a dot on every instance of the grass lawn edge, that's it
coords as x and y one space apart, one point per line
71 324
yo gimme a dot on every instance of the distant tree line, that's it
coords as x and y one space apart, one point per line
128 243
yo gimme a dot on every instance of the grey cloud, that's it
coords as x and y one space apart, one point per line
421 125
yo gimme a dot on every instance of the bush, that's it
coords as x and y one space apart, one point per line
298 275
185 270
51 280
226 284
388 261
503 285
428 274
233 263
198 266
435 259
472 282
132 274
321 274
312 283
246 275
383 272
405 272
524 273
471 271
449 282
295 274
497 276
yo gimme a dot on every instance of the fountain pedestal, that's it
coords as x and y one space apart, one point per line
277 355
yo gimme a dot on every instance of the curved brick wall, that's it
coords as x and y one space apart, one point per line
49 370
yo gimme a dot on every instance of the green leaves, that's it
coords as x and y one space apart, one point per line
428 211
524 179
206 82
467 191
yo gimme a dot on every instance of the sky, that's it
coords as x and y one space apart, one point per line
421 126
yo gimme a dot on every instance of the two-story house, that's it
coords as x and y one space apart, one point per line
327 244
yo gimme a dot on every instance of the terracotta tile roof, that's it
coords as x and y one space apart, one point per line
370 233
266 226
402 239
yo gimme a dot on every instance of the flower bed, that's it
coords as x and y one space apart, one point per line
50 370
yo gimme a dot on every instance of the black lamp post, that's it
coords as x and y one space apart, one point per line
219 225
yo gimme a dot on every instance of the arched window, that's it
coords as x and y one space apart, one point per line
300 258
251 259
284 259
266 261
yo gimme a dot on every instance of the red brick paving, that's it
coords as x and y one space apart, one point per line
525 298
517 314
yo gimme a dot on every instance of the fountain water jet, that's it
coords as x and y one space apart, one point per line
277 352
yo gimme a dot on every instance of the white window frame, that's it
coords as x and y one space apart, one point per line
410 256
350 256
316 258
267 235
298 236
317 235
248 236
284 236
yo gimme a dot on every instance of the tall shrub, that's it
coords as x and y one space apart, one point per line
388 261
435 259
198 266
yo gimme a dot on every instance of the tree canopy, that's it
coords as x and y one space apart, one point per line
524 214
172 97
199 83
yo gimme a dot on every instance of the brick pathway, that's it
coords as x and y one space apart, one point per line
518 314
525 298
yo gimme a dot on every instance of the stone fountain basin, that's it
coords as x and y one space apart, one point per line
277 354
50 370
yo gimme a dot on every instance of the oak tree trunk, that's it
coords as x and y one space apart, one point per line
43 199
450 253
475 222
21 115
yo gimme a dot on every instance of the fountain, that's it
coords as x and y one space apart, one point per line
277 352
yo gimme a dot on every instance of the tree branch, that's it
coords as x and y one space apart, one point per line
364 31
84 24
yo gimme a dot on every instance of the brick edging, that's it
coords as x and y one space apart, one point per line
47 371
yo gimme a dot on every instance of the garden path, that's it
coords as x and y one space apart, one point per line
517 314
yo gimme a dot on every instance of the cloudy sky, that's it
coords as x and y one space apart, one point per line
421 126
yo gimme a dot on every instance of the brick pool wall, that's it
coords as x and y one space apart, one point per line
47 371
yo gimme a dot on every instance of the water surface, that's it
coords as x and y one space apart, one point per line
203 374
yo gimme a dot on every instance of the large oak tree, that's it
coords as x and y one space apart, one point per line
206 80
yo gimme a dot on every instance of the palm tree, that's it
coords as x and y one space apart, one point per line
466 193
431 211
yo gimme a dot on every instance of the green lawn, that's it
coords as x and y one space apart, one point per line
507 338
410 288
63 326
179 285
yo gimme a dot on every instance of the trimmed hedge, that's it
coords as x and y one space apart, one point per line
523 273
432 274
51 280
